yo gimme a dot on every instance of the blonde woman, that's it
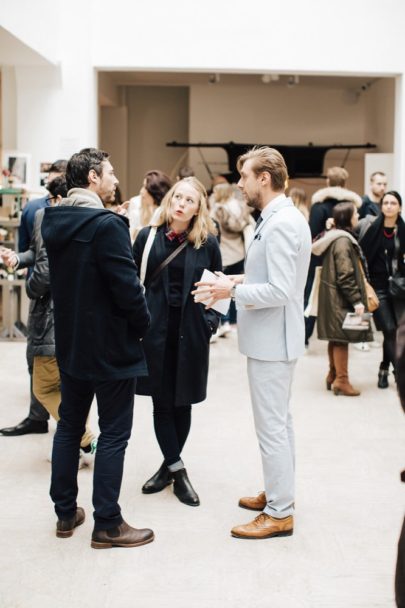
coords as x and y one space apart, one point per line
177 343
299 198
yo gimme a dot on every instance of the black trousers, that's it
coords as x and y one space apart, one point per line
115 401
171 422
386 320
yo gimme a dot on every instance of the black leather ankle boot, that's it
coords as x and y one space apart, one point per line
382 378
158 481
184 490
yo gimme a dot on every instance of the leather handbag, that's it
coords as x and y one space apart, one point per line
372 299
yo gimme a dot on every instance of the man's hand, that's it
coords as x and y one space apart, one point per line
213 290
9 257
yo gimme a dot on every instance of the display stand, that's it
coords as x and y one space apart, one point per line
12 293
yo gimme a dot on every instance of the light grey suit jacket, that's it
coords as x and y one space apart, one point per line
270 301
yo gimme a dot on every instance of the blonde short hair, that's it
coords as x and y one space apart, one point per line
201 225
268 160
337 176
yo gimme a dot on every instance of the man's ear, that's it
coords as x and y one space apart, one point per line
265 179
92 177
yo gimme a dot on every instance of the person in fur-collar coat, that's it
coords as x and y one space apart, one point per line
324 200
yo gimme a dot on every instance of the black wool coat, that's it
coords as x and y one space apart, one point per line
99 308
196 326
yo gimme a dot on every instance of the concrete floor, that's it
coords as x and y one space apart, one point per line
350 503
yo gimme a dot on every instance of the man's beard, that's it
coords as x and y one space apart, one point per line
254 201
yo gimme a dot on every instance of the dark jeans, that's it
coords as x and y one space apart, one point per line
172 423
115 400
385 319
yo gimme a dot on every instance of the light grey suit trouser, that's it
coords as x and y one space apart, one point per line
270 390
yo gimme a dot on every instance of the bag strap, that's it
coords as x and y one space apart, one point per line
146 252
167 261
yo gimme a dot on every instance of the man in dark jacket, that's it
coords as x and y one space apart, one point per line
371 200
400 375
37 419
100 316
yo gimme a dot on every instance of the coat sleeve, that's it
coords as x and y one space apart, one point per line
317 220
282 251
345 258
38 284
23 232
117 266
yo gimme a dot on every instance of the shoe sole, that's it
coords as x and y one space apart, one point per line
154 491
68 533
97 545
272 535
22 434
251 508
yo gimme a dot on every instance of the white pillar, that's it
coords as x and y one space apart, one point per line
399 136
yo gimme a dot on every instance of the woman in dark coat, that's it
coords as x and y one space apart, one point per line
342 290
377 239
177 343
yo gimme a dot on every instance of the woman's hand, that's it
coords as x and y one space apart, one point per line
359 308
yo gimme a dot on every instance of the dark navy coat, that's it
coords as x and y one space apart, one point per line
99 307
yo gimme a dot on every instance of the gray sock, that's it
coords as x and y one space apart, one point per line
176 466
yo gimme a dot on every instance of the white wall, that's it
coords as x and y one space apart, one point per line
310 36
54 116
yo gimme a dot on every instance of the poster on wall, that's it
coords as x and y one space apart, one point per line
16 169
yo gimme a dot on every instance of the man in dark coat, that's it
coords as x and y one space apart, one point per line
37 419
400 375
371 200
100 318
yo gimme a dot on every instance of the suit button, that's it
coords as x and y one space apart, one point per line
181 337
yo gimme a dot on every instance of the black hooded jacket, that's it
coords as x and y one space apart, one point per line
99 307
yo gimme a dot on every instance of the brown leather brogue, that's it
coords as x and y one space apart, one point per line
265 526
65 527
254 503
121 536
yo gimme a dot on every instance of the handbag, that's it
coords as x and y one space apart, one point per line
396 282
372 299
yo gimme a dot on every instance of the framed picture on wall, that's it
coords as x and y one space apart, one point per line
16 169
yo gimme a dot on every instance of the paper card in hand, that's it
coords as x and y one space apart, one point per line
221 306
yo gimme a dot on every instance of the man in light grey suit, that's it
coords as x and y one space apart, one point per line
269 299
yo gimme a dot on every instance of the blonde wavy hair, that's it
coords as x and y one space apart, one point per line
201 225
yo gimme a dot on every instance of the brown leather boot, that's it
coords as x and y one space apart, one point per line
121 536
341 385
330 378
